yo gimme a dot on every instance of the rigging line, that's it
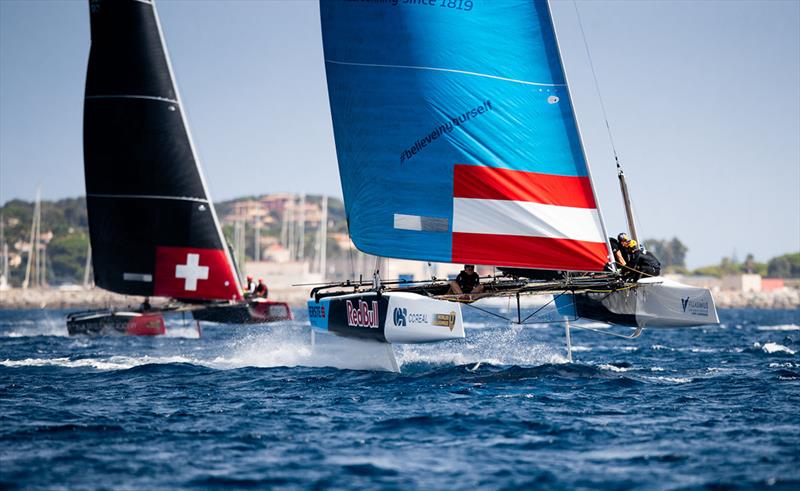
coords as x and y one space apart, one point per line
542 307
596 84
350 252
507 319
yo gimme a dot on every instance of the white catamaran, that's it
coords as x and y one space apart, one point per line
457 142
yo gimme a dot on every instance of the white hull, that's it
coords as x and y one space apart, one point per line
395 317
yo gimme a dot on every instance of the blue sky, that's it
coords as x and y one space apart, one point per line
703 99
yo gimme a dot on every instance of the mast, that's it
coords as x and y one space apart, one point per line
4 263
257 239
39 263
626 198
323 243
301 232
32 252
239 241
43 275
290 219
87 268
284 218
4 279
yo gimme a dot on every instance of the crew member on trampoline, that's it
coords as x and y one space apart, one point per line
261 290
467 281
639 262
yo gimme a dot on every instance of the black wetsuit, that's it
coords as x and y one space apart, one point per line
467 281
616 247
645 264
261 291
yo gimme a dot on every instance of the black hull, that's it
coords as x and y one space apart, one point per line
253 312
618 309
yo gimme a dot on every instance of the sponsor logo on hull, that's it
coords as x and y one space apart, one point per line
445 320
402 318
316 311
400 315
363 316
695 306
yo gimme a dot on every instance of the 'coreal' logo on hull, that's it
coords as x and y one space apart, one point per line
400 316
362 316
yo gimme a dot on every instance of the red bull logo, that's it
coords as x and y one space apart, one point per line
362 316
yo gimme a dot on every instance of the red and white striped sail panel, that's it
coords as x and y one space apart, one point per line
185 272
516 218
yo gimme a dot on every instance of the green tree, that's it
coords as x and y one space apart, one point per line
785 266
749 266
671 253
66 256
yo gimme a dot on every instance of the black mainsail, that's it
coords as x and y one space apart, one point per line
153 228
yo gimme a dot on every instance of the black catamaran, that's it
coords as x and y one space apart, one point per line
153 229
457 142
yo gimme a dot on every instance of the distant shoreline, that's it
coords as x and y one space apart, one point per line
93 298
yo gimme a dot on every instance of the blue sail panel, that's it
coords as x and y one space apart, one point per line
430 97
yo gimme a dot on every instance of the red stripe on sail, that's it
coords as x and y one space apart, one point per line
529 252
474 181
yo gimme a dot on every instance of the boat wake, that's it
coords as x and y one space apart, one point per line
494 347
112 363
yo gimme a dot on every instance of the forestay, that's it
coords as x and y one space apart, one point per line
153 229
455 134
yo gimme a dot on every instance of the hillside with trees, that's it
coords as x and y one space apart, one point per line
65 233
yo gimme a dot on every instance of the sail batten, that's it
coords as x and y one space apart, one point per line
455 135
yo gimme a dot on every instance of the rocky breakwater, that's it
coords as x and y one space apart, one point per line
54 298
93 298
785 298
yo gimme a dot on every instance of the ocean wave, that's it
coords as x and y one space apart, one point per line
45 326
780 327
112 363
784 374
673 380
772 348
615 368
702 350
659 347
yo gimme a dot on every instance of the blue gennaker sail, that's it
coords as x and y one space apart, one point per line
455 134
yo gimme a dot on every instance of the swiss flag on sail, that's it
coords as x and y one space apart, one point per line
186 272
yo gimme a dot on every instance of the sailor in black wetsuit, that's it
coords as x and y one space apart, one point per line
640 263
467 281
625 249
261 290
616 250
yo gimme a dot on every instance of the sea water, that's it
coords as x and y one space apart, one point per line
715 407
